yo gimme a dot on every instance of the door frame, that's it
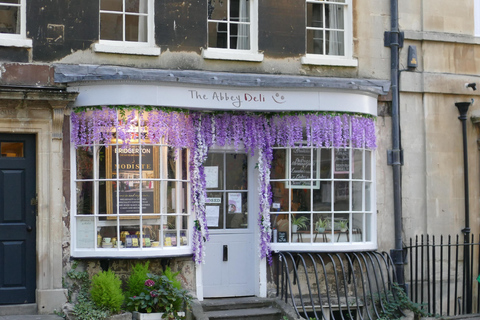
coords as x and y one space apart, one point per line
47 126
260 265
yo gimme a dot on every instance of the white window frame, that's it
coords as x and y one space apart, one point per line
147 48
238 54
345 60
19 39
364 244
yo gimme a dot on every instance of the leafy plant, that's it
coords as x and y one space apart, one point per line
343 224
136 282
106 291
161 294
84 308
396 300
300 222
321 223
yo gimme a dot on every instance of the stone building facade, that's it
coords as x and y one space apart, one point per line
240 57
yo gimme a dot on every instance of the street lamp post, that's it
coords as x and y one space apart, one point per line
463 109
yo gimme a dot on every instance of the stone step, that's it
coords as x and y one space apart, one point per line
265 313
235 303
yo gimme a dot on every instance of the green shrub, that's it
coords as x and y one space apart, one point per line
106 291
136 281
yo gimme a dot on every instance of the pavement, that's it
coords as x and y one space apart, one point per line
31 317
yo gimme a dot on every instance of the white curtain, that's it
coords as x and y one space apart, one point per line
336 39
243 37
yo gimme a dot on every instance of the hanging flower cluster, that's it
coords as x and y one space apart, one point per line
199 131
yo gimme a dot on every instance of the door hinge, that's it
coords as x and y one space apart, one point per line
34 203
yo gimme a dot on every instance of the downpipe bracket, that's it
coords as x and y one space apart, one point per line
395 157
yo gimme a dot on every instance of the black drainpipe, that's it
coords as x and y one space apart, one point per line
394 40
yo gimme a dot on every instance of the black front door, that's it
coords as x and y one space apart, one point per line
17 218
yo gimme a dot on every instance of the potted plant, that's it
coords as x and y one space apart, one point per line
299 223
321 224
343 225
162 298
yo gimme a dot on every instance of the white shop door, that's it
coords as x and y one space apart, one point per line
230 254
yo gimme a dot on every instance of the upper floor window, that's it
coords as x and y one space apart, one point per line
13 24
329 32
232 30
127 26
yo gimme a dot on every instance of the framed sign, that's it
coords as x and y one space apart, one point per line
133 176
304 164
282 236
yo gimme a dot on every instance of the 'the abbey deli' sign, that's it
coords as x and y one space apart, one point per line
236 99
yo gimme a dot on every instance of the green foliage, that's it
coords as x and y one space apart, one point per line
162 293
106 291
136 281
396 300
78 281
301 222
86 309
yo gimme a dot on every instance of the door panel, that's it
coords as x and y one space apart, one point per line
17 219
229 268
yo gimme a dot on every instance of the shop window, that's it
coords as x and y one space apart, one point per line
232 30
13 24
127 26
321 196
329 33
130 200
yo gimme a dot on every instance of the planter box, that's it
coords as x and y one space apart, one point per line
151 316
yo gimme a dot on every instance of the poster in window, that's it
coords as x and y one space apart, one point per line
234 203
304 165
133 182
342 161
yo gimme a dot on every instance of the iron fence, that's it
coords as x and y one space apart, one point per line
437 278
328 286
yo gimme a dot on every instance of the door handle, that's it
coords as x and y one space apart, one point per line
29 228
225 253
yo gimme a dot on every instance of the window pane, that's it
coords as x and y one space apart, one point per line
326 164
278 164
335 43
217 35
217 9
334 16
368 195
171 197
111 27
240 10
239 36
111 5
171 163
10 1
11 149
214 210
357 196
368 165
85 197
358 164
10 19
237 211
342 194
137 6
301 198
214 171
84 162
315 41
357 221
315 15
237 171
322 198
131 28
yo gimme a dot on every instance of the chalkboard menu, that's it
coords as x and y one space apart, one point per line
282 236
302 165
342 161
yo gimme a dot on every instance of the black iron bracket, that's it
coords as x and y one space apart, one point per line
389 38
395 157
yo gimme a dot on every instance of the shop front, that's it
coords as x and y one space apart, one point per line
224 168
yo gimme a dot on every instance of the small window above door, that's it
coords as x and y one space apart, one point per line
11 149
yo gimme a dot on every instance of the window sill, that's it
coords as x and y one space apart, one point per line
129 253
12 42
127 48
227 54
329 61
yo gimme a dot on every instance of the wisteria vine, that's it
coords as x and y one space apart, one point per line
199 131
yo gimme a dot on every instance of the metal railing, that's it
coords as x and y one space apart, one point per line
328 286
437 277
